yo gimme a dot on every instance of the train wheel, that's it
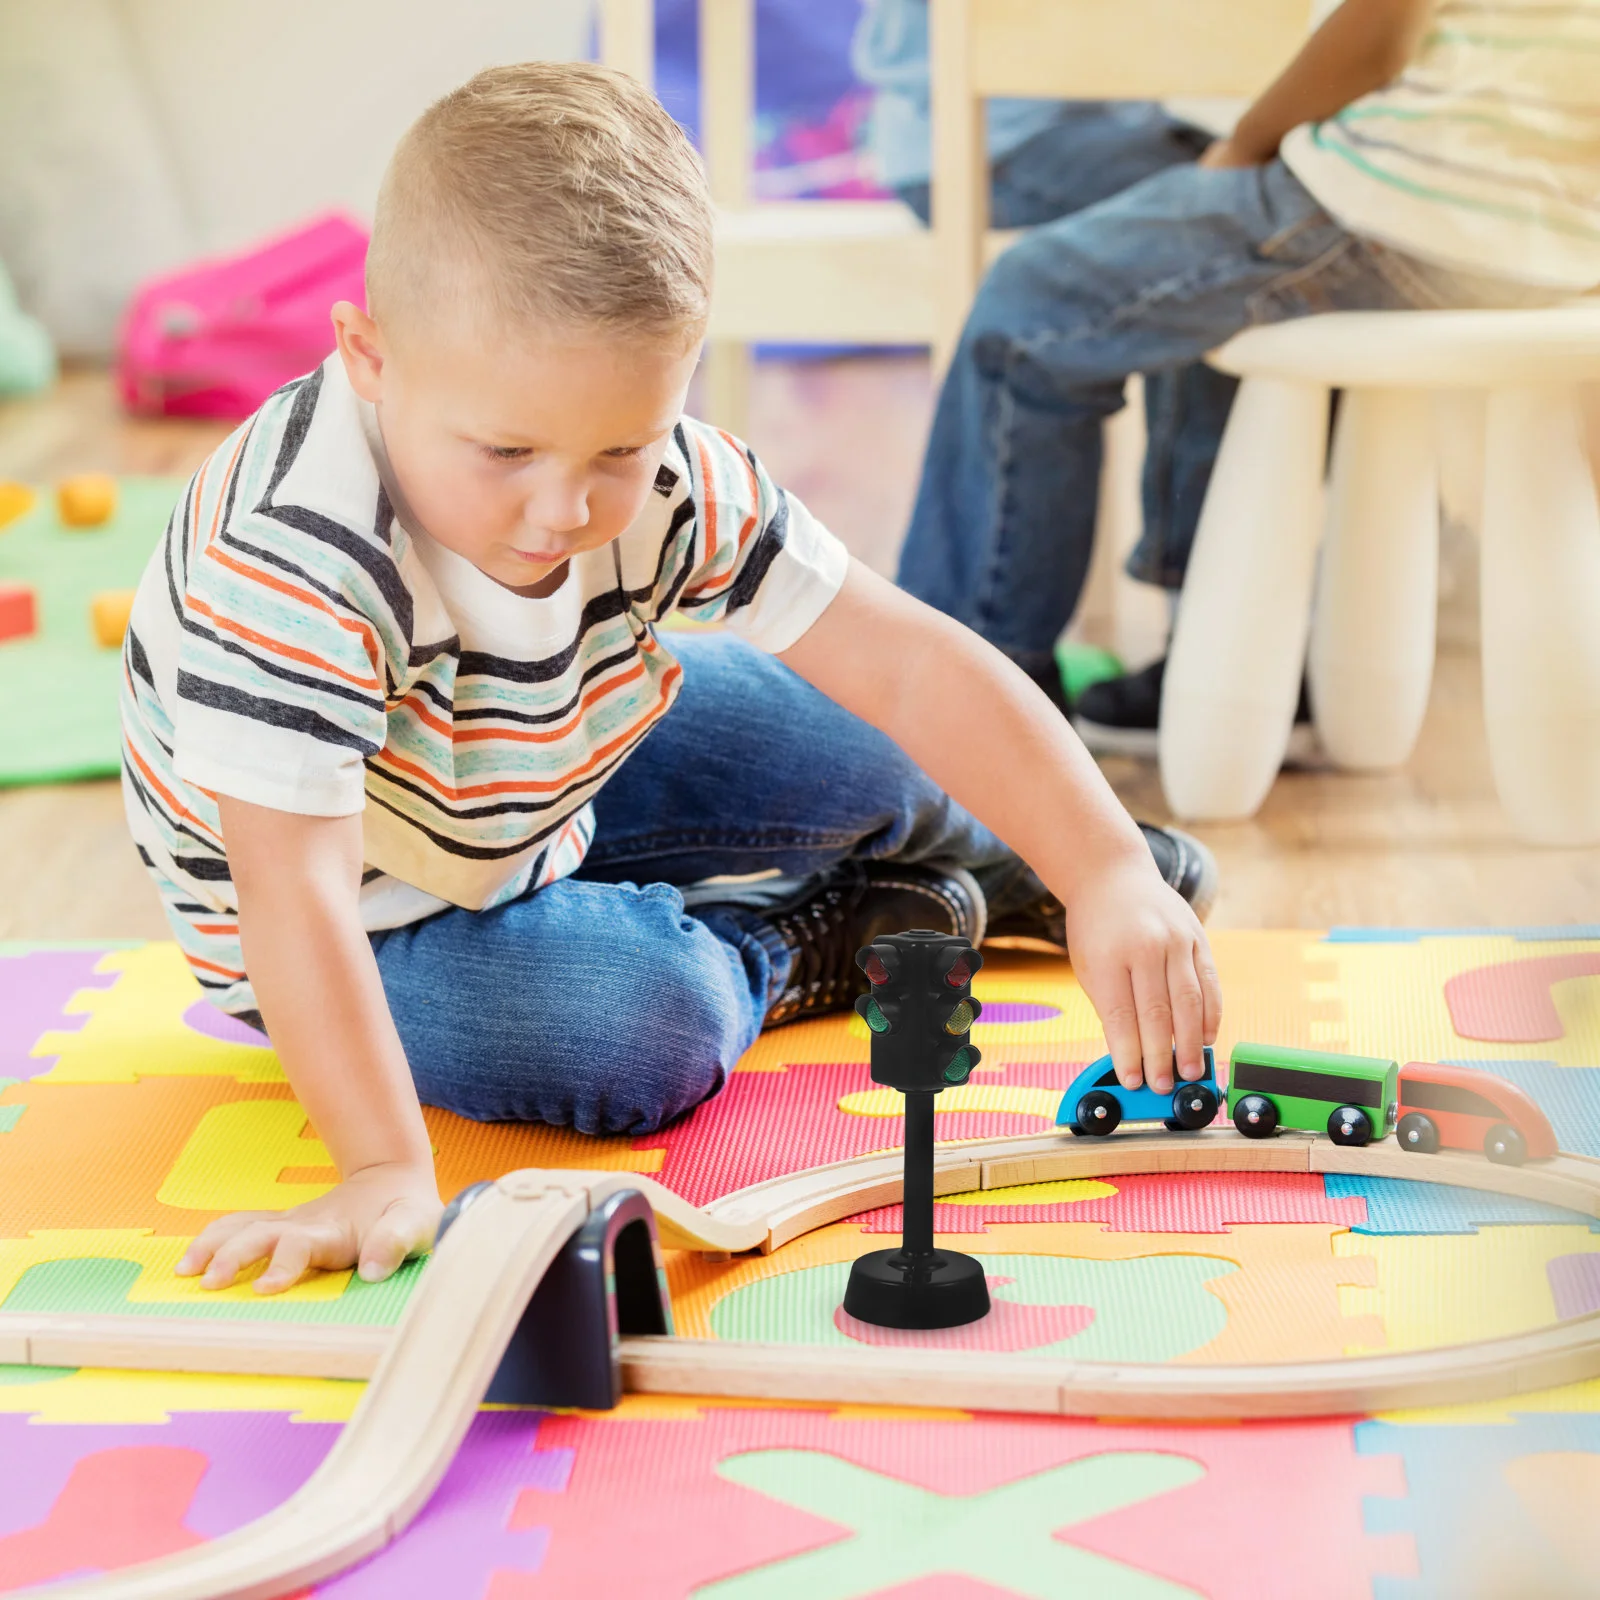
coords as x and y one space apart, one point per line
1504 1144
1171 1125
1349 1125
1074 1130
1255 1116
1193 1106
1417 1132
1099 1112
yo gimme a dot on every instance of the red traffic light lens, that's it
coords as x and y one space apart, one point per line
959 975
875 1018
874 968
960 1019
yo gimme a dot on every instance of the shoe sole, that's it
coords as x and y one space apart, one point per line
969 884
1205 889
1105 739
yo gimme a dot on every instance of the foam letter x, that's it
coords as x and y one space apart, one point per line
1003 1537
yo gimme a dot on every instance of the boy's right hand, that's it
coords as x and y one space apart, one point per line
373 1221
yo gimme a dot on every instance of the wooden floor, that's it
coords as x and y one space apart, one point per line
1424 847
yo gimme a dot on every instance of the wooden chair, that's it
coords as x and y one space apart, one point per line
807 271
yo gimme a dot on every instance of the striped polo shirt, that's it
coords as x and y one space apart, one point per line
294 643
1484 154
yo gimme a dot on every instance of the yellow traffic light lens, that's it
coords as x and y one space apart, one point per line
960 1019
875 1018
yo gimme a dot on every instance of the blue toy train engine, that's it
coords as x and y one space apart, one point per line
1096 1103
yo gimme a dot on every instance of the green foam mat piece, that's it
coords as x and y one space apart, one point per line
58 689
99 1285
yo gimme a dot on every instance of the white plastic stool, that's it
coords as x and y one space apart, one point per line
1233 672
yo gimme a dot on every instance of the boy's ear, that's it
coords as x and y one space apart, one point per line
360 348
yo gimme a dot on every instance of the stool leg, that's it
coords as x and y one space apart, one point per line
1233 672
1541 599
1372 633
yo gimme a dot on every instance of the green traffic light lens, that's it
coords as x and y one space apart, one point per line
960 1066
874 968
960 1019
960 974
875 1018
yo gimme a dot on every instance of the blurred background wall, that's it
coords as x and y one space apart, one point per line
137 134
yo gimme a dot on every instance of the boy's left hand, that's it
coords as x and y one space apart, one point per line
1142 958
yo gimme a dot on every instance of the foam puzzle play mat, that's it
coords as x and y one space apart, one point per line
132 1114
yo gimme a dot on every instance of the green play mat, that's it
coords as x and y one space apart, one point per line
58 689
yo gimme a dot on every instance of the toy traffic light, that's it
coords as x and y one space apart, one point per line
919 1010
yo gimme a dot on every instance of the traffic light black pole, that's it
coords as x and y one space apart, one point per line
916 1228
919 1011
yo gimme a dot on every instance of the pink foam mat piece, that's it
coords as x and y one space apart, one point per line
1161 1203
80 1498
767 1124
1272 1499
33 990
1509 1002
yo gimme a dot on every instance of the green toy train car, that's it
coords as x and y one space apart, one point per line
1350 1098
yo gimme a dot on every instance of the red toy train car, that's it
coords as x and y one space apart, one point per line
1459 1109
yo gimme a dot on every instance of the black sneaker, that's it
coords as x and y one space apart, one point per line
1182 860
1120 716
850 908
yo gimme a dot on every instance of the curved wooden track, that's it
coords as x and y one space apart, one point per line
430 1373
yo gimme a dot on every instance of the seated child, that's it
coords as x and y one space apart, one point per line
1416 154
427 793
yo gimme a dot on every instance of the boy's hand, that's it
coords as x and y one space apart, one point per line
1142 958
374 1220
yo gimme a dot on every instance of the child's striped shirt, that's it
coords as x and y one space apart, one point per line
1484 153
293 645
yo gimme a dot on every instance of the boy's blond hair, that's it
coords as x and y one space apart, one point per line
548 193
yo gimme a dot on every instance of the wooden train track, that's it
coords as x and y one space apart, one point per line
429 1374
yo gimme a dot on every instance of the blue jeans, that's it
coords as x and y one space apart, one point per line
1146 281
1096 150
601 1002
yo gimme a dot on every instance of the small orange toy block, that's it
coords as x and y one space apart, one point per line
87 500
108 614
19 615
16 500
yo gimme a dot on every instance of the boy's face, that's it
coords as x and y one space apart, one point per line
520 456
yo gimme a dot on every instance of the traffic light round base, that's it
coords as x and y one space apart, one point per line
920 1289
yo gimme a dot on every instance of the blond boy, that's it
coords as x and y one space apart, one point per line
395 690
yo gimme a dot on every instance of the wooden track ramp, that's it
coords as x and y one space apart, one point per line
429 1375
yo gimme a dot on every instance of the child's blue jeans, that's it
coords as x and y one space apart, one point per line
1145 281
600 1002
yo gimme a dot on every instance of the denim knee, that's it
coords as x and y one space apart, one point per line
613 1017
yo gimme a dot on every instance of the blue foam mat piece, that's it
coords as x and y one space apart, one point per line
1465 1519
1396 1205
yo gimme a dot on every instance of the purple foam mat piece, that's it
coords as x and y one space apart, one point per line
204 1018
257 1460
1017 1011
461 1539
33 990
1575 1284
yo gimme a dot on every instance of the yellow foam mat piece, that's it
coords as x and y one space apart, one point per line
1388 999
94 1394
1434 1289
135 1028
963 1097
236 1158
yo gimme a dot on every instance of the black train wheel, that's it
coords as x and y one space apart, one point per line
1417 1132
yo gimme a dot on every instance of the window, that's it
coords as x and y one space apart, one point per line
1108 1081
1301 1083
1423 1095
